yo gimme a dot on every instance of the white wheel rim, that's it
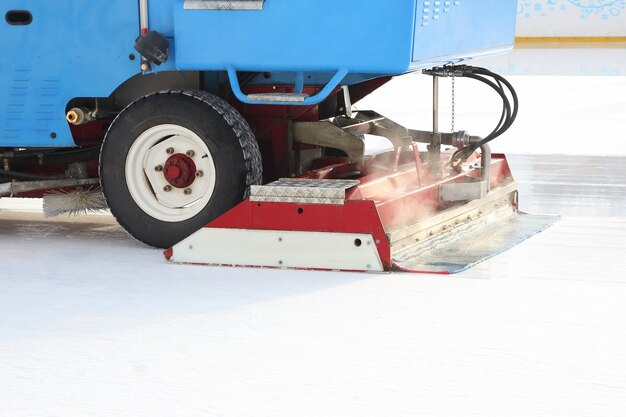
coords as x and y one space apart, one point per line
148 186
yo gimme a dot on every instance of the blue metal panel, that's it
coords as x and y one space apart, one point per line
448 30
161 16
81 48
373 36
77 48
361 36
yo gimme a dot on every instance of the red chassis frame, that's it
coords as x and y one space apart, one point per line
384 201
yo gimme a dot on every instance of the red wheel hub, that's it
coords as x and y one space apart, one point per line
179 170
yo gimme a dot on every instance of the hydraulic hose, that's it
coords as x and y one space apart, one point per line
23 175
509 110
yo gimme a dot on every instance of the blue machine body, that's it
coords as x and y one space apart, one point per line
84 48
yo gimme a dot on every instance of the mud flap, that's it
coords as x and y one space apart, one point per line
462 247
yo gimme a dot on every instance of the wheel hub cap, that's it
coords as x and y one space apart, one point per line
179 170
170 173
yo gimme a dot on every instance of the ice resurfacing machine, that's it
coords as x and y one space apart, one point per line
224 131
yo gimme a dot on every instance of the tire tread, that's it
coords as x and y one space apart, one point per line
239 126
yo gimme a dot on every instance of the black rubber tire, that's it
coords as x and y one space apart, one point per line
228 136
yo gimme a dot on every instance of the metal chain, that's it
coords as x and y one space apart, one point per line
453 101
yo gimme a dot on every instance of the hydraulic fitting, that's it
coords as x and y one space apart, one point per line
79 115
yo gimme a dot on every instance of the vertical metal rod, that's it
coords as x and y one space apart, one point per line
485 164
143 28
347 100
143 16
434 149
435 104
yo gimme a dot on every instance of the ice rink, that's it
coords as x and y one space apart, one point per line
93 323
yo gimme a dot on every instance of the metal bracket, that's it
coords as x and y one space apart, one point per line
370 122
326 134
463 191
472 188
344 133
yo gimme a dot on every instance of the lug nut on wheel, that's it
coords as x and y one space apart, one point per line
169 151
158 168
167 188
187 191
199 173
190 153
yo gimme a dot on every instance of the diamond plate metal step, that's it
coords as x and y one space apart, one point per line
304 191
279 97
223 4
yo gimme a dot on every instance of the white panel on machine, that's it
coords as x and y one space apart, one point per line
280 249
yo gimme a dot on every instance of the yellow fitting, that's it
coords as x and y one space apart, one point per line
72 116
79 116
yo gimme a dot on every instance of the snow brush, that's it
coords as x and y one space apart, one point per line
79 201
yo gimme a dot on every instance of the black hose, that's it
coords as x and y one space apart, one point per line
506 110
54 156
24 175
509 110
57 156
499 79
503 116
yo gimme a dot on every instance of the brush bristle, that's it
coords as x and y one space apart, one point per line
74 202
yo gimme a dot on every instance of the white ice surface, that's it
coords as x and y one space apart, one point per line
94 324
